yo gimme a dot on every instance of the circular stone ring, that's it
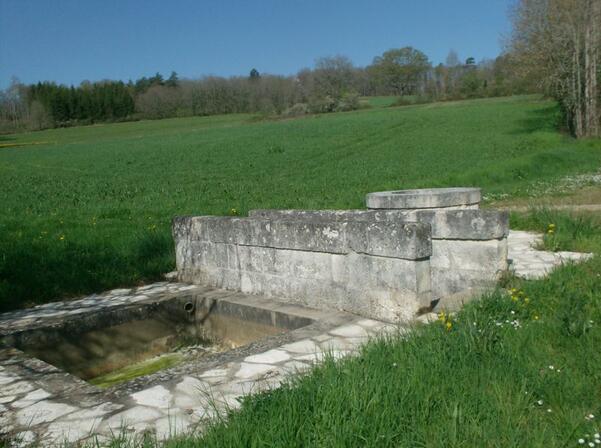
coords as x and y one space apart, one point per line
458 197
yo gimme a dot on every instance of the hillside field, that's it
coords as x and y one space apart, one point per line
89 208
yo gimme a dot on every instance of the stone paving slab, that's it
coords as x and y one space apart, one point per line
530 263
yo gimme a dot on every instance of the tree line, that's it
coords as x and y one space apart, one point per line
333 84
558 44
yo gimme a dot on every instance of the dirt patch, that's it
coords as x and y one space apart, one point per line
587 199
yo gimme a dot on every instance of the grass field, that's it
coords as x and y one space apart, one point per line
85 209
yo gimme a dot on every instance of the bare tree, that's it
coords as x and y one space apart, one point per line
333 76
159 102
13 107
452 59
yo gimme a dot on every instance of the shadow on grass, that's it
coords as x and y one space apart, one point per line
544 118
33 272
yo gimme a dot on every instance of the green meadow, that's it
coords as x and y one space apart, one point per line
89 208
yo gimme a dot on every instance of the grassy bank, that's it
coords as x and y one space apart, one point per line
85 209
520 368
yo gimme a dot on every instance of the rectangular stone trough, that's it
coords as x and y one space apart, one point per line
183 327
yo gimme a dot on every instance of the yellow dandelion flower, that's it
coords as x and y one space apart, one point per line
449 325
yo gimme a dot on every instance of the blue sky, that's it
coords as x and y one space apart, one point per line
71 40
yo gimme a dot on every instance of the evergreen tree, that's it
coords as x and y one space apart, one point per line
172 81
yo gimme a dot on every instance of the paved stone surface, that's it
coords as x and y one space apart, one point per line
528 262
156 397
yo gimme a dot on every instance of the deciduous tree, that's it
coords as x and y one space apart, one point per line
401 70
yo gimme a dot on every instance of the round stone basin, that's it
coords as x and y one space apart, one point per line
457 197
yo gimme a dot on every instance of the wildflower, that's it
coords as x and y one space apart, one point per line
442 316
551 368
581 441
536 317
62 237
539 402
449 326
526 300
589 417
591 444
549 410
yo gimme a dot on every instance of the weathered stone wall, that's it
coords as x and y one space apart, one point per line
469 246
409 248
376 269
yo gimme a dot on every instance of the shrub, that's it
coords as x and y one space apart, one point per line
296 110
349 101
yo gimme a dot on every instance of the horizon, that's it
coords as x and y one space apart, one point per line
67 49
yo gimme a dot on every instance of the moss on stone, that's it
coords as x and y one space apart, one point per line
138 369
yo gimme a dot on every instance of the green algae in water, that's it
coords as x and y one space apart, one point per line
138 369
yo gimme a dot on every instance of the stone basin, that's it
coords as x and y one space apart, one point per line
187 327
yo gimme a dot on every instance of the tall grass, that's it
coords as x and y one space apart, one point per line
563 231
